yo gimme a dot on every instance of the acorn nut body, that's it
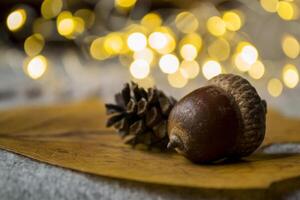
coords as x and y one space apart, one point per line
225 119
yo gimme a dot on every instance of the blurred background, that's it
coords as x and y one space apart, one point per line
55 51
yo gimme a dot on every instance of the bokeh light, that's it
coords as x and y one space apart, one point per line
16 19
144 54
216 26
290 75
68 25
177 80
65 23
275 87
136 41
51 8
189 69
186 22
144 37
219 49
63 15
44 27
125 4
257 70
192 38
240 63
211 69
188 52
113 43
241 45
79 26
232 20
34 44
249 54
151 21
169 63
145 83
286 10
290 46
36 67
162 40
87 16
125 59
157 40
269 5
97 50
169 47
139 69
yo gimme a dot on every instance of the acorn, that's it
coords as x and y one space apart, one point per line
223 120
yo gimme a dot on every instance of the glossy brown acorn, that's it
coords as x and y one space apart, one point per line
225 119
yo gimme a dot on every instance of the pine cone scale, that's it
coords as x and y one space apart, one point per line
141 116
142 107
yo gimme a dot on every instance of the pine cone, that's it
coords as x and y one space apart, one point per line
141 116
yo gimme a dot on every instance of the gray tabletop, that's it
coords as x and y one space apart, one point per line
23 178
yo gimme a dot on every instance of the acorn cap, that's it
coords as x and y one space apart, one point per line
251 110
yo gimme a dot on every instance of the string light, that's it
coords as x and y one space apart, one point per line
125 59
139 69
249 54
216 26
269 5
169 63
97 49
192 38
232 20
132 44
113 43
136 41
274 87
151 21
290 75
186 22
16 19
87 16
240 63
34 44
241 45
189 69
65 23
63 15
257 70
170 46
79 26
211 69
51 8
157 40
145 54
136 28
188 52
43 27
290 46
162 40
36 67
145 83
68 25
125 4
286 10
219 49
177 80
